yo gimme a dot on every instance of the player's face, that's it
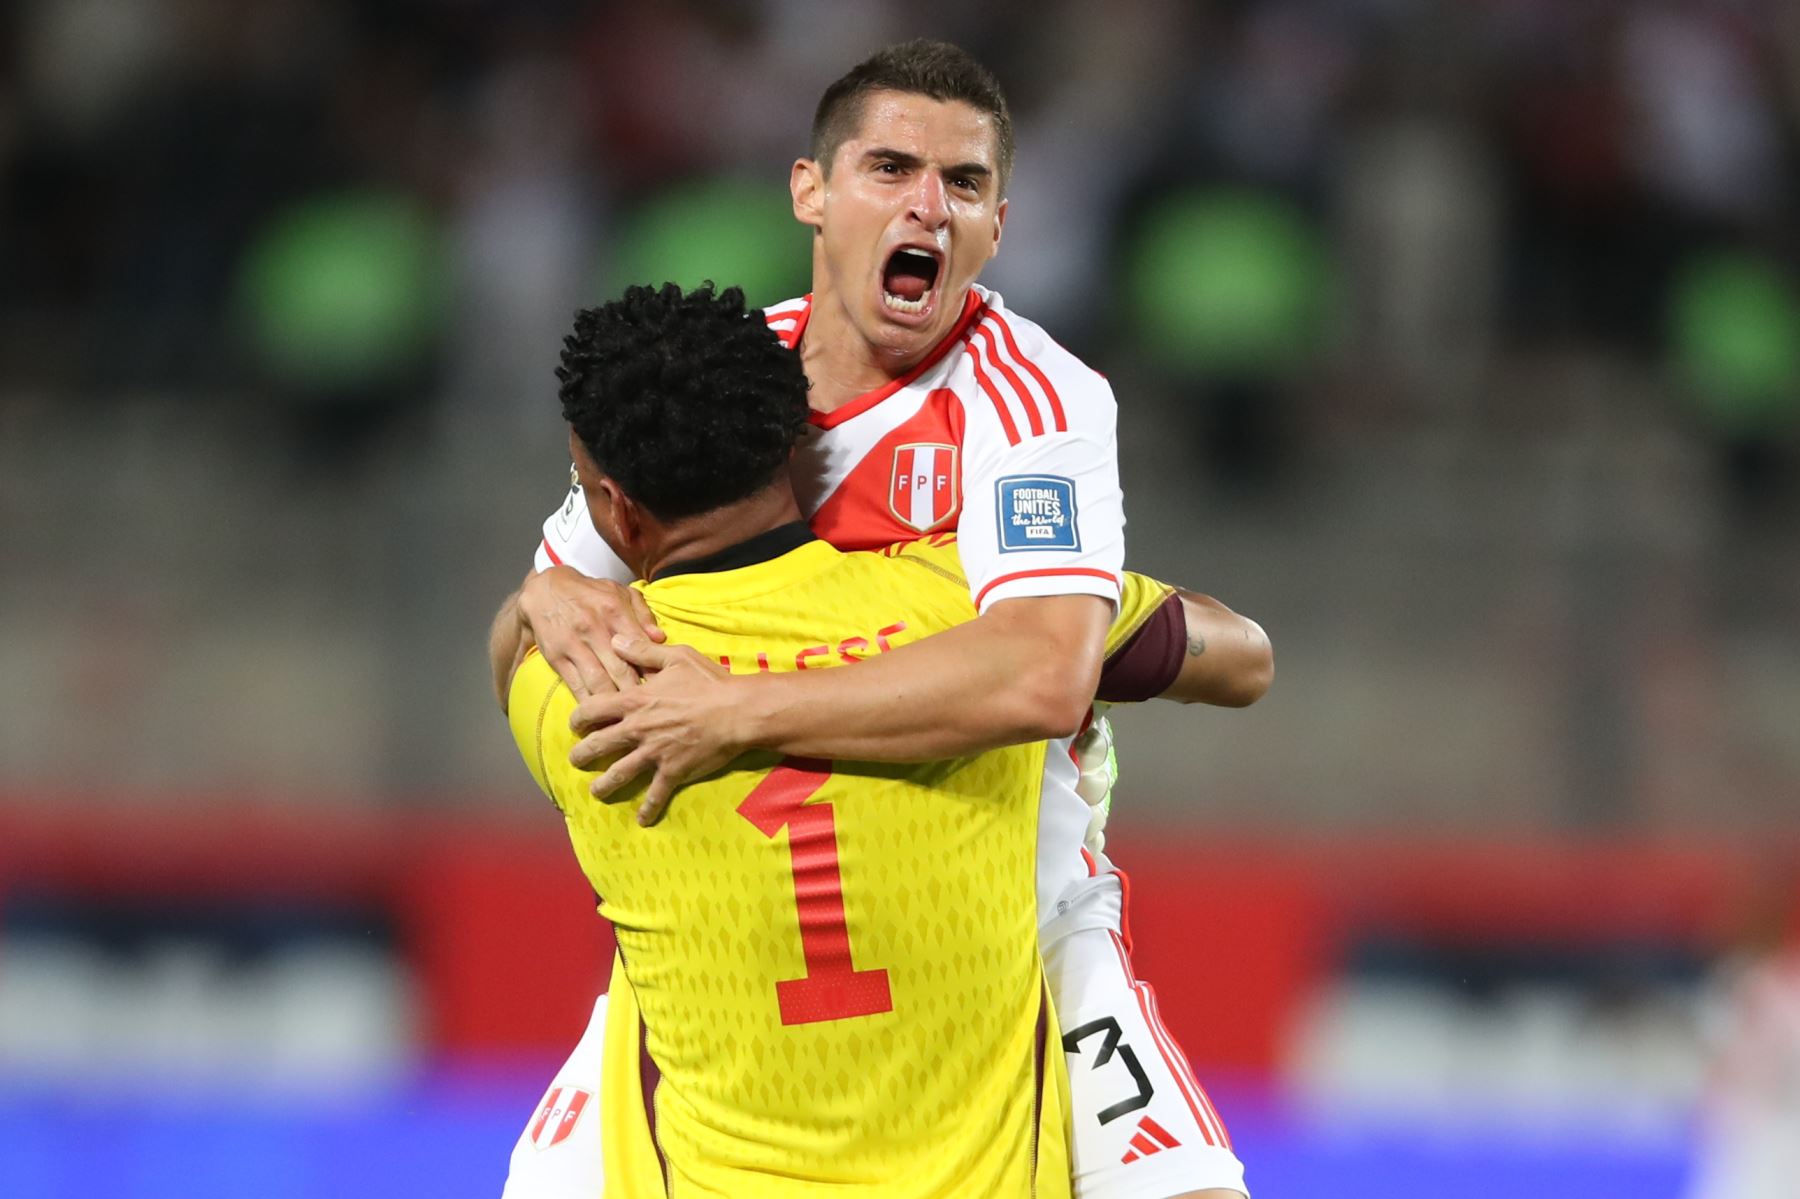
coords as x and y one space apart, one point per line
909 215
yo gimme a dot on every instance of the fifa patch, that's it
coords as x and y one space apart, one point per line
1037 512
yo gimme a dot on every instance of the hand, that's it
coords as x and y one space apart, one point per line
1098 763
680 721
574 619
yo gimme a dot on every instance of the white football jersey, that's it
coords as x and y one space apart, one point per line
1001 436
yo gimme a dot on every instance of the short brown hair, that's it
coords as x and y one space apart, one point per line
922 68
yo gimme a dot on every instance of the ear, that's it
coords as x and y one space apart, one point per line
806 183
999 224
627 518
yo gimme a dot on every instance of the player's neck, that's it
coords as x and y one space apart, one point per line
704 535
841 364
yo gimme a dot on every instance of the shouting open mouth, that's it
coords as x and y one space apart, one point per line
909 280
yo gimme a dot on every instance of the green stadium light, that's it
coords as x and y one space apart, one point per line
736 233
1734 333
1225 281
343 289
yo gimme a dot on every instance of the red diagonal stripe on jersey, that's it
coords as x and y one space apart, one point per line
987 385
1130 1156
972 306
1056 408
554 560
1159 1132
1012 377
1145 1145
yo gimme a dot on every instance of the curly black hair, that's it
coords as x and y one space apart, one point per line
690 402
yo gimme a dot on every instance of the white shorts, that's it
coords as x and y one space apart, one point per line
558 1154
1144 1128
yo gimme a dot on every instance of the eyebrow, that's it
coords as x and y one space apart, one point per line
914 162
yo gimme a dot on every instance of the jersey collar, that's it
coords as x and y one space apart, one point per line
972 306
763 547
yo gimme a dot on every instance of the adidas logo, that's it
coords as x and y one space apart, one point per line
1150 1138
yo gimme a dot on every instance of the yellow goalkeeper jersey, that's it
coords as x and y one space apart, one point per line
833 979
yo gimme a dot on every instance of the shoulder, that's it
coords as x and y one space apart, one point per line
1032 379
927 572
538 708
937 555
788 318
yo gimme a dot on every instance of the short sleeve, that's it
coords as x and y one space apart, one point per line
1042 510
570 539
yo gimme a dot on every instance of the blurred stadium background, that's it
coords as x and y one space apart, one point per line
1459 343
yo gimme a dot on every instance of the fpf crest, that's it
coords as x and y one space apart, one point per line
923 492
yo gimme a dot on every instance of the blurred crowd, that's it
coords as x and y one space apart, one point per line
364 203
1395 292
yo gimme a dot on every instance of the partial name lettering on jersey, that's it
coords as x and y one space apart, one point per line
1037 512
812 657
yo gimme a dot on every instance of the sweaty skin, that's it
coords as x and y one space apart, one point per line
919 173
1229 662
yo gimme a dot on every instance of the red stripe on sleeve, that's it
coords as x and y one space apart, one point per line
1038 574
1056 408
548 549
987 385
1011 376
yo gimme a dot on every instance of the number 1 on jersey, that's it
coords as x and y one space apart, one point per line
832 988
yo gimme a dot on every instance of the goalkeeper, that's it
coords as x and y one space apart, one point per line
1143 1126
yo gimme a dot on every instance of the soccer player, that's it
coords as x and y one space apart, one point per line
934 408
832 966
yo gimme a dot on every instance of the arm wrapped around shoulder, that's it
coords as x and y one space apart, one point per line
1147 664
1194 650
